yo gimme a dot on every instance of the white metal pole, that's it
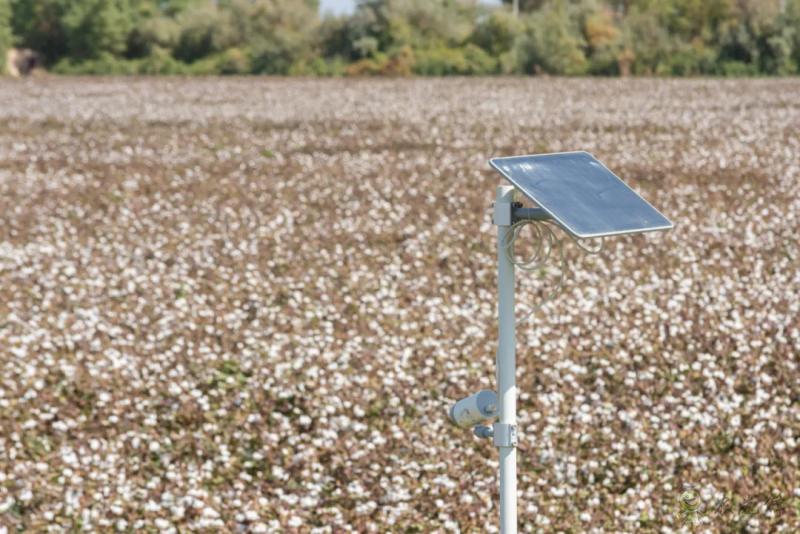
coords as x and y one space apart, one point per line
505 431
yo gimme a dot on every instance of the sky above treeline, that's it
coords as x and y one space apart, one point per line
339 7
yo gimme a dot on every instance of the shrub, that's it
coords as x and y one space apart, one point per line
738 69
302 68
479 62
204 67
401 63
105 65
336 66
160 62
470 60
233 61
319 67
366 67
441 62
692 60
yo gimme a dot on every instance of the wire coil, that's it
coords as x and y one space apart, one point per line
546 242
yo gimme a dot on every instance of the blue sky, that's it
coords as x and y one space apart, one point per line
337 6
347 6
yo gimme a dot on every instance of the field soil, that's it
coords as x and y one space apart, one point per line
247 305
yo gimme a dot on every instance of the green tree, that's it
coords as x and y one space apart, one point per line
551 43
94 27
420 24
39 25
396 37
647 41
278 32
428 23
6 38
790 21
159 32
80 29
204 29
689 19
759 36
497 33
527 5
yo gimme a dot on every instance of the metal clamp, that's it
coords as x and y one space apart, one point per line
506 214
504 435
503 213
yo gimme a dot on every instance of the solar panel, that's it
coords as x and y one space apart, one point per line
581 194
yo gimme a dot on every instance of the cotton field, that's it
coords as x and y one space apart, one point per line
246 306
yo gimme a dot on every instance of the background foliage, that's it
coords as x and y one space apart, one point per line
404 37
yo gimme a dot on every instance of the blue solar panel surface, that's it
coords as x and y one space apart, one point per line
581 194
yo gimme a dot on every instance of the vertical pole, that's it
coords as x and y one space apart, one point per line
506 373
516 7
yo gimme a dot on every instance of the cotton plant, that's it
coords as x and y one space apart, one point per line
247 305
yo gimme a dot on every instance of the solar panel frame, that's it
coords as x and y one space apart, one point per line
563 218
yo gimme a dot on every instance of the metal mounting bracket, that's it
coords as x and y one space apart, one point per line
506 214
503 213
504 435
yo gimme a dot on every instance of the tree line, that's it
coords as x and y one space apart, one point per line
408 37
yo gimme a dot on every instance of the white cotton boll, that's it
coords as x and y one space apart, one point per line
251 515
154 446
